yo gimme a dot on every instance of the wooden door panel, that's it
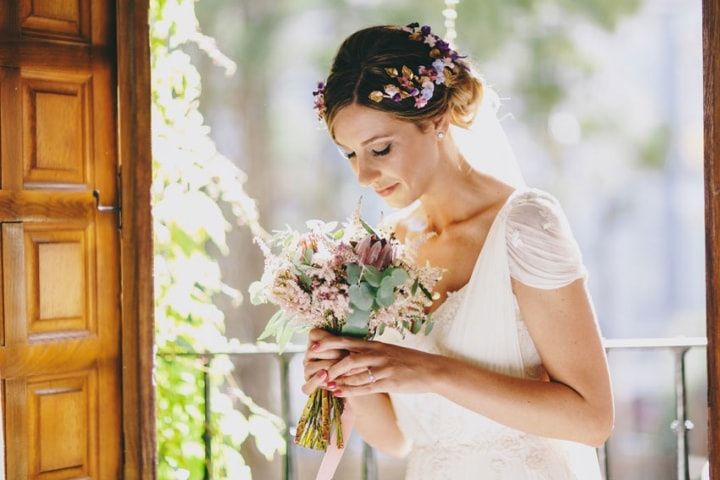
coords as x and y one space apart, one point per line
67 19
60 310
60 275
57 127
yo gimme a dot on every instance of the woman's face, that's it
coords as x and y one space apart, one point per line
392 156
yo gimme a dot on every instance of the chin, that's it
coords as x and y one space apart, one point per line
398 202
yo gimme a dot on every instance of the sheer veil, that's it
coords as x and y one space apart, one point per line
485 145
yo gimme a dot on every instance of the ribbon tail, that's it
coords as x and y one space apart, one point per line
333 454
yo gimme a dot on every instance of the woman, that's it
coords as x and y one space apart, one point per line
512 382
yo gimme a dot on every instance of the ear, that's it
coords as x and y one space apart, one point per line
441 123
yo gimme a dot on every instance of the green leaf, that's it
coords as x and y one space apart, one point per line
256 293
361 296
372 276
307 256
415 286
381 329
399 276
275 322
425 291
416 325
284 335
338 234
368 228
386 293
356 324
353 273
429 325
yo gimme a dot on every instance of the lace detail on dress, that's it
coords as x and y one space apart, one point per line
444 314
502 453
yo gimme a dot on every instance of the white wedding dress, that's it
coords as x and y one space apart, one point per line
530 240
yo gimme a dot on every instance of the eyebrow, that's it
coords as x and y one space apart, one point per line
370 140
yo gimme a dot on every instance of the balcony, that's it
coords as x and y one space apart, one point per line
677 348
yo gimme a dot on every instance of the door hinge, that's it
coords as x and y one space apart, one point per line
117 208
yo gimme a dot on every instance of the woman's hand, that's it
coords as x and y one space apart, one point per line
316 363
396 369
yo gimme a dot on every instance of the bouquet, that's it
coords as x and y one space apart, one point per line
353 281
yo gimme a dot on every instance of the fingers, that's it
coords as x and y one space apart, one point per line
359 378
367 389
354 371
314 382
311 368
317 334
324 355
353 361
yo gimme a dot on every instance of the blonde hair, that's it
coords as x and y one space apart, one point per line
360 67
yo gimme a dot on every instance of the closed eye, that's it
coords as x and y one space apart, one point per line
382 152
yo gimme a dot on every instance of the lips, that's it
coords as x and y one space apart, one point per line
386 191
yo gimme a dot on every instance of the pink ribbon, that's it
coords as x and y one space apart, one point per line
333 454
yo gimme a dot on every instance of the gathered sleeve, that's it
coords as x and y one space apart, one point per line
542 251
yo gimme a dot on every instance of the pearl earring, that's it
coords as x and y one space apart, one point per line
441 135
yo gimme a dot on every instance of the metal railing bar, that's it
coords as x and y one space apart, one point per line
681 425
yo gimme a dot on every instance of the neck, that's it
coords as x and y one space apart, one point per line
457 193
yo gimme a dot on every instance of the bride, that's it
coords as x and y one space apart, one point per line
512 382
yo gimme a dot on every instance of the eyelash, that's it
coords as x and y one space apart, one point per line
381 153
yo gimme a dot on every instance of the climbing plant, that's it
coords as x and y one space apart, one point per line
191 182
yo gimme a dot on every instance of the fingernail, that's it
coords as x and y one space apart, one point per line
337 393
323 374
331 385
314 346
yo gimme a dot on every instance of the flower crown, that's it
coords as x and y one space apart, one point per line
421 84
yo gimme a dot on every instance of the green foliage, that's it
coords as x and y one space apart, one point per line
190 181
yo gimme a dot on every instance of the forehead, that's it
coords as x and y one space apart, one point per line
355 124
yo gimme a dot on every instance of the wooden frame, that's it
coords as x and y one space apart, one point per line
711 82
136 249
133 69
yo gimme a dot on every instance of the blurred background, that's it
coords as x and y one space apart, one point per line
603 105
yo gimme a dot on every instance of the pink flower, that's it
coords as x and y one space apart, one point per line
376 252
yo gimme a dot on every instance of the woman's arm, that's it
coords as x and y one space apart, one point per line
376 423
575 404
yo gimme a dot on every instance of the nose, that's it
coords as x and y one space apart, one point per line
366 173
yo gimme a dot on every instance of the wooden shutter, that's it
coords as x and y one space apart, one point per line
60 285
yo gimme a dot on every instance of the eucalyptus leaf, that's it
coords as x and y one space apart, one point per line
361 296
386 293
372 276
352 331
399 276
356 324
353 273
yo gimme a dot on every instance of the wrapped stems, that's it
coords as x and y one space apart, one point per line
320 417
